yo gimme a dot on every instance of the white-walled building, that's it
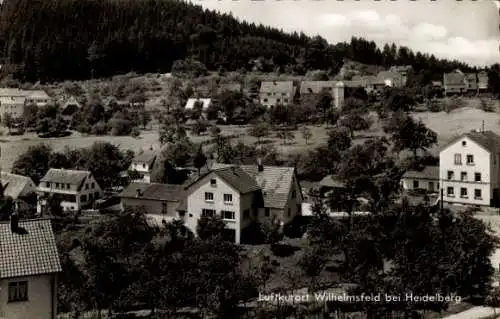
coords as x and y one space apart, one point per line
335 88
143 165
76 189
242 194
12 102
469 169
273 93
29 264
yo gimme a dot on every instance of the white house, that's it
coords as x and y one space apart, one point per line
143 165
469 169
29 264
76 189
190 104
242 194
19 188
335 88
12 102
425 179
273 93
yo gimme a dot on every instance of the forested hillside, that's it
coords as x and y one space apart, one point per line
52 40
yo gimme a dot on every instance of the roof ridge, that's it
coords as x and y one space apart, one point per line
28 220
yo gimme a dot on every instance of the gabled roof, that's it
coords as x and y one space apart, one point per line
332 182
232 87
428 172
275 181
154 191
316 86
190 103
454 78
14 185
65 176
234 176
488 140
33 253
37 94
145 157
276 87
12 92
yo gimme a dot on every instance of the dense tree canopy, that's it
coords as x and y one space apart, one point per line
91 38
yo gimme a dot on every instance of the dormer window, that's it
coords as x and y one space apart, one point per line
464 143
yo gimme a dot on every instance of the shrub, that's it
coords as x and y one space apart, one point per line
100 128
434 106
283 250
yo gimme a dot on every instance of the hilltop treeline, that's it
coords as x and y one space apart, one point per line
52 40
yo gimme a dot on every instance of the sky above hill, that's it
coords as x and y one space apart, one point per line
463 30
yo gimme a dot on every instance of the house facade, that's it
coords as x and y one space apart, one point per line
12 102
273 93
76 189
20 188
143 165
29 265
241 195
471 80
157 199
454 82
482 81
335 88
426 179
469 169
392 78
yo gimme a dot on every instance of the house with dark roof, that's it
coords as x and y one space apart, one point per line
156 199
454 82
29 265
69 106
241 194
75 189
143 163
273 93
469 169
20 188
425 179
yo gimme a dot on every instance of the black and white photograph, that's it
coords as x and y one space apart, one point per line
249 159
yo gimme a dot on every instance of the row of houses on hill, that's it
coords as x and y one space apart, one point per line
468 171
458 82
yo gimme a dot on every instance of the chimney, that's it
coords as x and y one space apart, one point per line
260 167
14 222
138 192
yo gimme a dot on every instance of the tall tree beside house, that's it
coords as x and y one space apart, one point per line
324 103
199 159
210 227
259 130
33 163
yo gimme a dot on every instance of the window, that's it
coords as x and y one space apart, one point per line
226 214
246 213
464 143
207 213
209 197
83 198
86 186
463 176
450 191
67 186
213 182
450 174
265 100
289 212
228 198
267 213
283 94
415 184
463 192
477 177
18 291
163 208
458 159
470 159
181 213
143 165
294 194
93 185
278 100
477 194
47 184
91 196
286 100
57 185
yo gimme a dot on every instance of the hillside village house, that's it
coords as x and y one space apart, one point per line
471 80
12 102
29 265
454 82
335 88
204 103
469 169
242 194
403 70
371 83
143 165
482 81
76 189
391 78
37 97
426 179
20 188
159 200
273 93
69 107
